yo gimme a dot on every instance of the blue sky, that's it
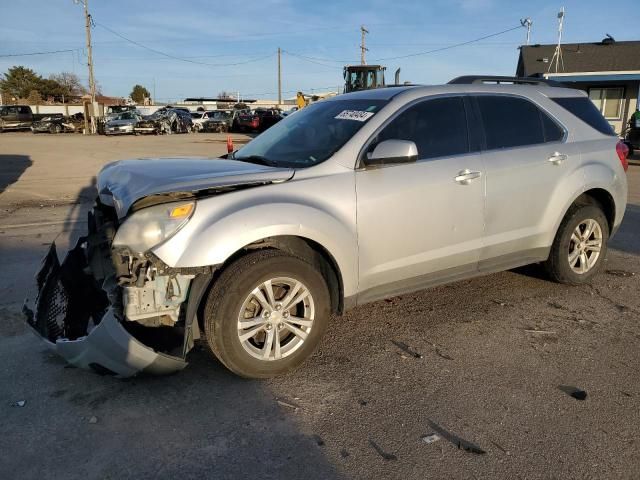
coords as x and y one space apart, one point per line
223 32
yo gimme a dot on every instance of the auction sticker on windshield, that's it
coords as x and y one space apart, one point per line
357 115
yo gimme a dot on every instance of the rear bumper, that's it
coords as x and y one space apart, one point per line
73 316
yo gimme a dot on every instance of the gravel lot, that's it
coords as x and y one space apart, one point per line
487 363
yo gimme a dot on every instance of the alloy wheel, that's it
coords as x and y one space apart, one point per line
276 318
585 246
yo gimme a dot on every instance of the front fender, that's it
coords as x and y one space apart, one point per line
218 231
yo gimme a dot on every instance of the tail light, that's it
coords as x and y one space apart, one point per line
623 152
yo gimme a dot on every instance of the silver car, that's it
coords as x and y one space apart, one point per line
122 123
352 199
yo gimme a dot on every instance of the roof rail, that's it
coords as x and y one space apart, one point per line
470 79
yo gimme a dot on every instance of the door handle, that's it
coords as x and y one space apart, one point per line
465 176
557 158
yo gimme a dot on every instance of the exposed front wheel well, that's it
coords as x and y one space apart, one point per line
303 248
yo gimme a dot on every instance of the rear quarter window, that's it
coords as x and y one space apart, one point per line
585 110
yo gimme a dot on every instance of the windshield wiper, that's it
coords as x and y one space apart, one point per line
257 159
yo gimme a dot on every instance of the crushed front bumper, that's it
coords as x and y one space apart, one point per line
74 317
215 127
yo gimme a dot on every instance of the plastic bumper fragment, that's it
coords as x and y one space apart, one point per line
74 319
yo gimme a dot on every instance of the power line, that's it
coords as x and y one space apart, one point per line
455 45
311 59
319 61
39 53
291 91
182 59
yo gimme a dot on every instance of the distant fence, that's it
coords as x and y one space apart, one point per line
65 110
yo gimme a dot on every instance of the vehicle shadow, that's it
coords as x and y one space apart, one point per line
11 169
203 422
85 198
628 237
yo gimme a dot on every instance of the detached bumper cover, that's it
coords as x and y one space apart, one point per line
74 318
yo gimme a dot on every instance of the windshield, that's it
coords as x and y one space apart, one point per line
126 116
220 115
312 135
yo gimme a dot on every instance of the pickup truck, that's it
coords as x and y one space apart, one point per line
19 117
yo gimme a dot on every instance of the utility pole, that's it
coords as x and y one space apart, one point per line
279 77
92 82
363 48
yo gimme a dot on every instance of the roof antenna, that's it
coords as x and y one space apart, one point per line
557 55
526 22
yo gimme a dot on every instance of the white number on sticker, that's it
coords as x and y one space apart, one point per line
357 115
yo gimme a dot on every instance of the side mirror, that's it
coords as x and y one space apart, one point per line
392 152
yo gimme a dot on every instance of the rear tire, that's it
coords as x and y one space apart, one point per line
580 246
280 330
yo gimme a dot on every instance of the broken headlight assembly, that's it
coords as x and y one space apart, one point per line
151 226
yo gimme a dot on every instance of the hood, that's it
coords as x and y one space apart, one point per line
120 123
121 184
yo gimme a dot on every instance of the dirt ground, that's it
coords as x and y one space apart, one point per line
488 364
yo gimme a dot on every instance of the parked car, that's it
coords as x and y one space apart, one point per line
258 120
199 118
122 123
353 199
219 121
59 124
165 121
18 117
114 110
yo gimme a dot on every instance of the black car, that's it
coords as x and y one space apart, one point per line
219 121
58 124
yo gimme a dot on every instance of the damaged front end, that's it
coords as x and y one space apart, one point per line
114 311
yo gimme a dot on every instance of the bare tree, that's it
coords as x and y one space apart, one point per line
70 83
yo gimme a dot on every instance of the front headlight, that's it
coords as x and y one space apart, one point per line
153 225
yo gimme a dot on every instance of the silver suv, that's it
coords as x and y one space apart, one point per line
353 199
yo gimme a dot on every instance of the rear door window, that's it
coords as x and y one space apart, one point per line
510 122
438 127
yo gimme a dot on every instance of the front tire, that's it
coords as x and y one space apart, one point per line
580 246
266 314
